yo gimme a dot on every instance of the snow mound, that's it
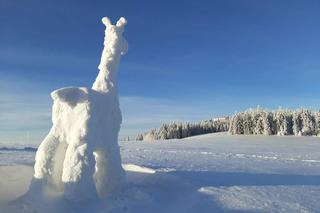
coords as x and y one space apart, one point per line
136 168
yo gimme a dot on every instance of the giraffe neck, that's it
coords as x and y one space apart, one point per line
106 80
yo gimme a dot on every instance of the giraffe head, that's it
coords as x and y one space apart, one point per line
113 34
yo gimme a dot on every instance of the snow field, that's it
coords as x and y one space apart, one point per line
209 173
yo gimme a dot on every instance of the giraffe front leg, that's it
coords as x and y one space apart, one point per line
109 174
77 176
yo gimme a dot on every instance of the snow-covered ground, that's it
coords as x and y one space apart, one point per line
208 173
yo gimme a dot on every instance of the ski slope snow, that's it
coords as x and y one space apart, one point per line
208 173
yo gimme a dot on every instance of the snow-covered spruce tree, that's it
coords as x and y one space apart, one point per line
184 131
289 122
176 130
220 125
258 119
255 118
284 122
231 125
297 122
173 131
317 121
268 123
236 124
163 132
139 137
248 123
308 122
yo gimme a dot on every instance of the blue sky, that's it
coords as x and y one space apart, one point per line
187 60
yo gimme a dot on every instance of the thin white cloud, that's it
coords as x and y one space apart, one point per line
25 106
25 112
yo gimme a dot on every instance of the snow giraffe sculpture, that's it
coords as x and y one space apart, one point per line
80 156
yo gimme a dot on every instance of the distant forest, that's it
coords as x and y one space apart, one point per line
280 122
182 130
258 121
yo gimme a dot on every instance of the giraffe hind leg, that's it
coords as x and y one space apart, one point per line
45 160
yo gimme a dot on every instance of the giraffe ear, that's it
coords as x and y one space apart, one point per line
106 21
121 22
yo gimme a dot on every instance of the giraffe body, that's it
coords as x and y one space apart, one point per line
80 155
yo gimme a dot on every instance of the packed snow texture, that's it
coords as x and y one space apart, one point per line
207 173
80 155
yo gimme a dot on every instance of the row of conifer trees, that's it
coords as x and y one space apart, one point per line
256 121
183 130
280 122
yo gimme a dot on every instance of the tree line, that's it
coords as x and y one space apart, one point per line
182 130
259 121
